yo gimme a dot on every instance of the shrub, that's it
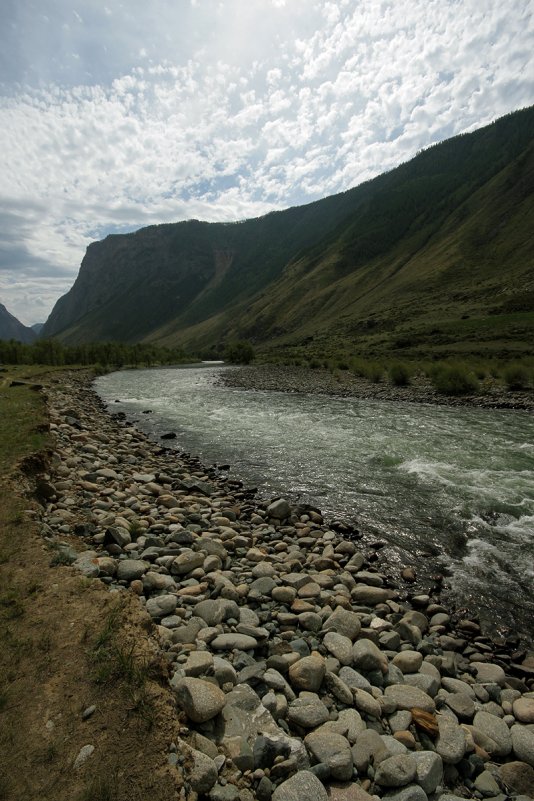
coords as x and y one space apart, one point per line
516 377
239 352
454 380
400 374
373 371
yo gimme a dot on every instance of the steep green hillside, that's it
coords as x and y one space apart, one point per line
463 286
434 255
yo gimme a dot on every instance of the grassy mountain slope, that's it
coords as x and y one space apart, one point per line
434 254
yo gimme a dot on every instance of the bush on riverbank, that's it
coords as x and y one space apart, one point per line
400 374
516 377
454 379
239 352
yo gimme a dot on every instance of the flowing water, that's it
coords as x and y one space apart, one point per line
454 482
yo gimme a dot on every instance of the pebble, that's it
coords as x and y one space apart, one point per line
290 649
83 756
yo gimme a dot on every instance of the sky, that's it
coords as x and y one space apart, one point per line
116 115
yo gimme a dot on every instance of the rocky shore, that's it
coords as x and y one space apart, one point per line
301 671
281 378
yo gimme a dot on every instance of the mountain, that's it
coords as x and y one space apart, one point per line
37 328
436 254
11 328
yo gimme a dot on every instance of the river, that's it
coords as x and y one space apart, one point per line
457 483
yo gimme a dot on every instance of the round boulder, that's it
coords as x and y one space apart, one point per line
201 700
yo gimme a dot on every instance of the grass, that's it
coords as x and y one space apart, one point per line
22 413
100 788
114 661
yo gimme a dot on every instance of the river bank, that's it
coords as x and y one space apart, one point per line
300 666
343 383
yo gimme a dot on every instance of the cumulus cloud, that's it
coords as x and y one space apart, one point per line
125 115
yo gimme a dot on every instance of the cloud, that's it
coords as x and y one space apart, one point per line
116 117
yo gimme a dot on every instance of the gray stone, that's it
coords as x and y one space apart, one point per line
400 721
153 582
407 697
458 686
244 715
354 680
186 562
488 673
200 700
413 792
279 509
83 755
396 771
189 632
223 671
333 750
339 646
227 642
239 752
131 569
523 743
371 596
215 611
161 605
351 724
367 656
343 621
198 663
273 679
264 789
523 709
461 704
201 743
486 784
496 729
227 792
408 661
303 785
202 771
262 587
284 595
366 703
427 683
368 749
450 744
87 564
308 673
394 746
307 711
338 688
429 770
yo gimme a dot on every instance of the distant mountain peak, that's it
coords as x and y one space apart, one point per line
11 328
